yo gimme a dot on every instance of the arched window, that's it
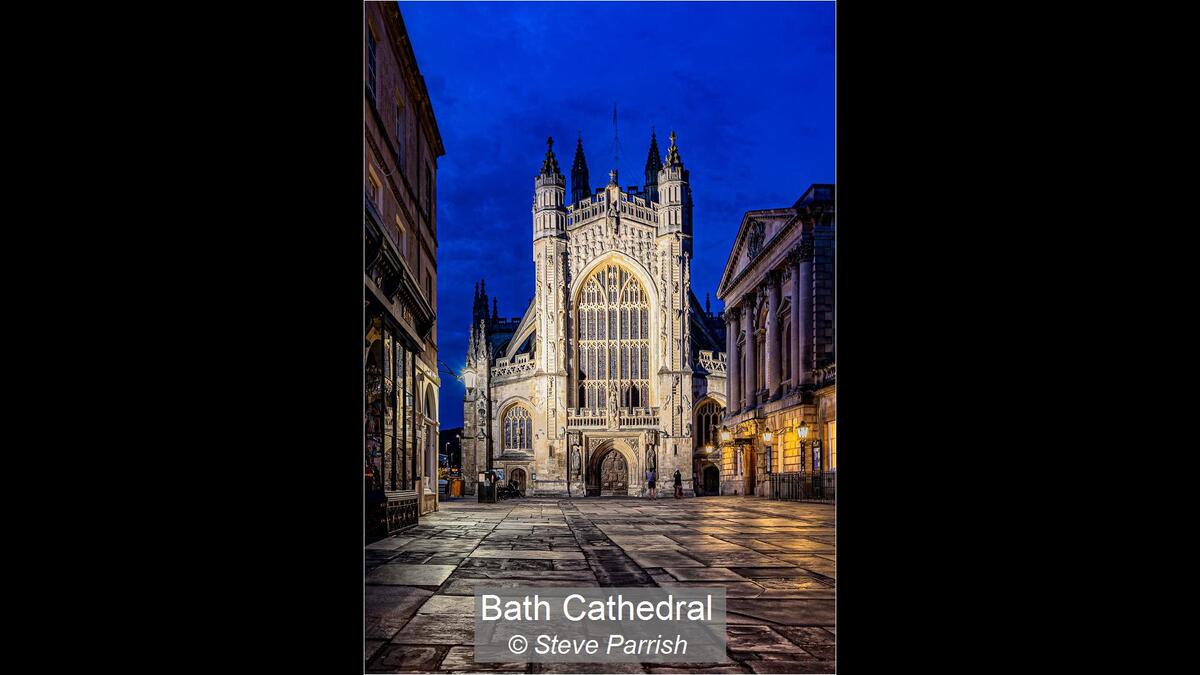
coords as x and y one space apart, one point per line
620 342
708 423
517 423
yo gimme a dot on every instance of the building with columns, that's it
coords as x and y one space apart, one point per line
603 373
401 146
778 289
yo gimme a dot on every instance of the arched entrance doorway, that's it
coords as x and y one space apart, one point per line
608 474
712 480
518 474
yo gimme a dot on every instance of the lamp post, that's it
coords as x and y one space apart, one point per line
802 432
767 437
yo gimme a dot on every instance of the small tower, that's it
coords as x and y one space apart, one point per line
580 187
675 213
549 216
653 165
550 264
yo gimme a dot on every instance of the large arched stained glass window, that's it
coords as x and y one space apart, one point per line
613 340
517 425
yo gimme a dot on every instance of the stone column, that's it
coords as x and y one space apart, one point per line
772 357
733 371
751 365
804 359
793 263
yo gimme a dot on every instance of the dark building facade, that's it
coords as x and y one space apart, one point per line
401 146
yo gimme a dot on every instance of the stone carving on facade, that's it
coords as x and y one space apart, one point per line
801 251
755 238
825 376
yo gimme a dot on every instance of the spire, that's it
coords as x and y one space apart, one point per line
673 160
550 164
580 188
653 164
612 177
481 303
471 348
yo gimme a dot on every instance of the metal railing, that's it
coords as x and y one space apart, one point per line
804 487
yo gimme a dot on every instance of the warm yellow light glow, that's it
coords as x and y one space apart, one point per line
802 432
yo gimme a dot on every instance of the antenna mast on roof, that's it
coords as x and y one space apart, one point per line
616 138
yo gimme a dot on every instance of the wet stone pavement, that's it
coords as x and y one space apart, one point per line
775 560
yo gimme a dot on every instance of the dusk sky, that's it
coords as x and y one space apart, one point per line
748 88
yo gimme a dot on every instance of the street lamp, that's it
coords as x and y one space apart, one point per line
802 432
767 437
726 435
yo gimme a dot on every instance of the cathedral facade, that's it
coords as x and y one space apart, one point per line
602 378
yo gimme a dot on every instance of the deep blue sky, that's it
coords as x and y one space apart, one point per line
748 88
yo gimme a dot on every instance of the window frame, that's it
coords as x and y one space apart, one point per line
372 64
517 421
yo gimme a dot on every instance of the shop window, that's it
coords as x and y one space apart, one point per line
831 444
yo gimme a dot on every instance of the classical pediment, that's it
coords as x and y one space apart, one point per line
756 235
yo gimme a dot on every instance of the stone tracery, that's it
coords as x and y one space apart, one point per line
613 331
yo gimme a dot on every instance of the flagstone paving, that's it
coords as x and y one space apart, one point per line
776 561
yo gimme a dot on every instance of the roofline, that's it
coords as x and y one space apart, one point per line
795 208
737 240
392 13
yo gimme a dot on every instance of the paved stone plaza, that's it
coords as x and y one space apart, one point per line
775 560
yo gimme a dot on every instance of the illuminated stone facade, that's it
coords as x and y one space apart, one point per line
778 289
599 379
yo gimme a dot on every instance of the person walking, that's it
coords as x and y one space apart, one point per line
650 480
678 485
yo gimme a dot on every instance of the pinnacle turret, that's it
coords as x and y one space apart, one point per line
653 164
673 159
580 187
550 164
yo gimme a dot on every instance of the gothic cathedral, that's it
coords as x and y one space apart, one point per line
613 364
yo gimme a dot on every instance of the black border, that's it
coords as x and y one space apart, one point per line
922 278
